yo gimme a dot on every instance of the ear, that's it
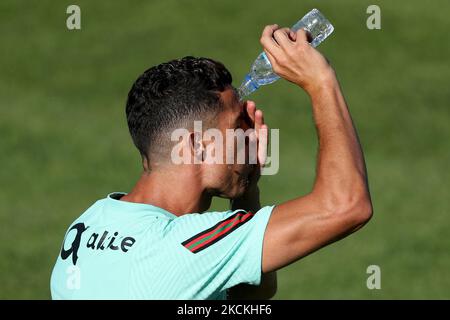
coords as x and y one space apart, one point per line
196 146
145 163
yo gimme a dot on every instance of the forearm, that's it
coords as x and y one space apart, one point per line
339 202
340 166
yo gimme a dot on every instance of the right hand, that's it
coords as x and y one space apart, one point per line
294 59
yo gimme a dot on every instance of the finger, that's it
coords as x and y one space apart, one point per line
273 62
268 31
259 120
262 145
282 37
261 114
251 108
271 58
253 144
267 40
303 35
292 35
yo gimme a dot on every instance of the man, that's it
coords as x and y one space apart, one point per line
159 242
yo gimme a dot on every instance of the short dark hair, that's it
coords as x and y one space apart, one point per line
172 94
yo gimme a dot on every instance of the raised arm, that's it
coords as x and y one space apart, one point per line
339 202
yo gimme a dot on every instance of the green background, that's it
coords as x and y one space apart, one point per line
64 141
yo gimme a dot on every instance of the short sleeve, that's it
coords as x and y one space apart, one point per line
218 250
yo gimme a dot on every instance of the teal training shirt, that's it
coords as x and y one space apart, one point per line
124 250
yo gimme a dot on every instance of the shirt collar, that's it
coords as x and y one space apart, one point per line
114 199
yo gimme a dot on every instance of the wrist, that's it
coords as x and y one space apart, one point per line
326 83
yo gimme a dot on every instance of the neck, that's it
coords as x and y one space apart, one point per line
176 191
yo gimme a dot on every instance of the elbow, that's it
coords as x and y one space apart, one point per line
360 212
353 207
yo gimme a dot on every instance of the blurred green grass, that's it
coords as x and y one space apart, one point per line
64 141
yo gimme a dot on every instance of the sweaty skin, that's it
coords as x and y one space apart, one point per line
339 202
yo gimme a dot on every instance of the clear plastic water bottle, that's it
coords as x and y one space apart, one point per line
261 72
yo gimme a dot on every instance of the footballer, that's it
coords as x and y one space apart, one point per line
160 241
